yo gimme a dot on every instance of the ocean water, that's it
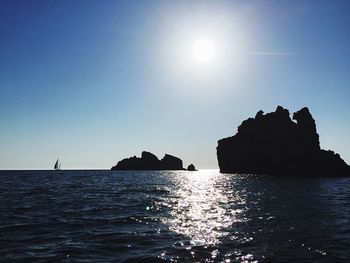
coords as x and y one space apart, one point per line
205 216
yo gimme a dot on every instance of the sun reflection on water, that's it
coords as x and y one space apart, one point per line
200 209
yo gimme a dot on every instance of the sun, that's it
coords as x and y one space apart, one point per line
204 50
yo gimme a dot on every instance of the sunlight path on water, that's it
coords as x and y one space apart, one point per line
200 209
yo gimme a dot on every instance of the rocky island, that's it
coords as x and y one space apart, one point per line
191 168
274 144
149 161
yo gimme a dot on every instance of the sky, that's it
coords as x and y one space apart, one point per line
93 82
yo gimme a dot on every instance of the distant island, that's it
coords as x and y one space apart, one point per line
274 144
149 161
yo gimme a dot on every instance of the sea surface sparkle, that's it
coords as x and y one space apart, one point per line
168 216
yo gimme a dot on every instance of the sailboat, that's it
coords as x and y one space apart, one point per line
57 166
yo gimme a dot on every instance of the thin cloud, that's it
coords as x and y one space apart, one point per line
268 53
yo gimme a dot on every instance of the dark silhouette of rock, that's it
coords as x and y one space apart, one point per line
149 161
274 144
191 167
170 162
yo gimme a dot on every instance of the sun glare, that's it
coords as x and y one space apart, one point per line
204 51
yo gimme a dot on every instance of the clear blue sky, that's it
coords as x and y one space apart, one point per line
92 82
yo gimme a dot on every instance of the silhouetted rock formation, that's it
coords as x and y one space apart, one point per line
191 167
149 161
274 144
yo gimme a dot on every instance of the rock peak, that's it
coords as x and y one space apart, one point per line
149 161
274 144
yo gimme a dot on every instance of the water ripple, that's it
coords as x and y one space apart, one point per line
200 209
105 216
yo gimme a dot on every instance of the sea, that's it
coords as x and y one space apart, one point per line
172 216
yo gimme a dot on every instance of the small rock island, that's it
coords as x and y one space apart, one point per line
191 168
149 161
274 144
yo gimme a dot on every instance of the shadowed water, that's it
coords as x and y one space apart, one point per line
205 216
